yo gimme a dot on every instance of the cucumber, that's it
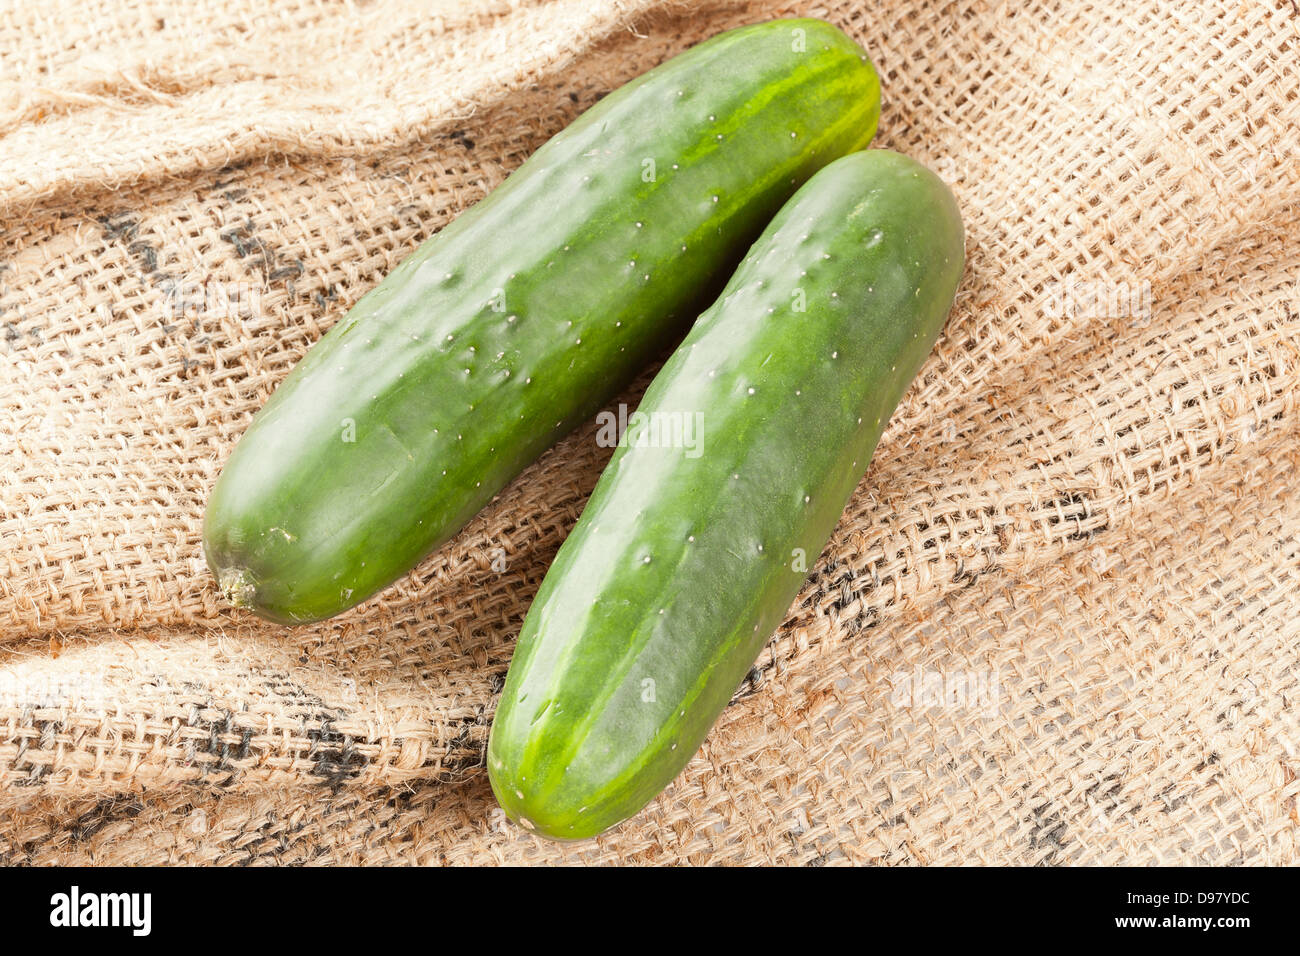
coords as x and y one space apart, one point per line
524 316
687 558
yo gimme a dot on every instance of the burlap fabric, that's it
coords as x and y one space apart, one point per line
1057 624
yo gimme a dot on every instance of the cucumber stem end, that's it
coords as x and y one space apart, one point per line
236 586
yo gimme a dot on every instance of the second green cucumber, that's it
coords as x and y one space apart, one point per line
689 553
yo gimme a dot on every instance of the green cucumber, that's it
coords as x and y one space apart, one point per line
524 316
687 558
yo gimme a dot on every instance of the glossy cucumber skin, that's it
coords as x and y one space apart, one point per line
524 316
685 559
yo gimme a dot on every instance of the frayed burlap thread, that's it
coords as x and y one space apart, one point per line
1057 623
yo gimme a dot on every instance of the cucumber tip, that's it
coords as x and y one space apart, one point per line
236 586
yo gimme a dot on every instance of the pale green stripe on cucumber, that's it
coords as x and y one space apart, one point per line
686 559
525 315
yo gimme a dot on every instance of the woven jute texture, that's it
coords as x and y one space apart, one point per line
1058 622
